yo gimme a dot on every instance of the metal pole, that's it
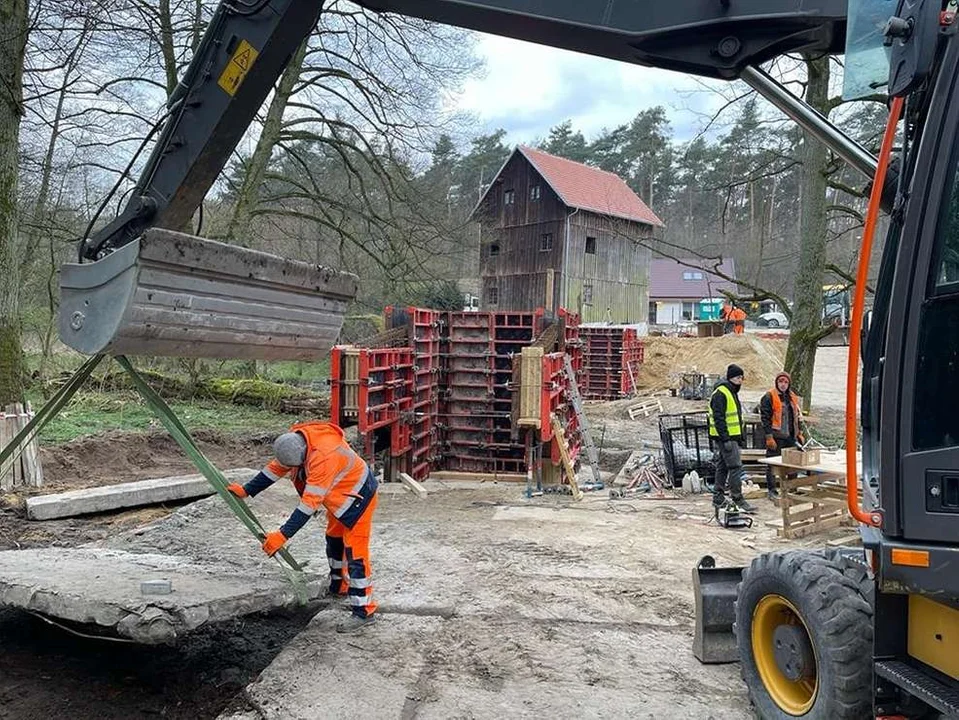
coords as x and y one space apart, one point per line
811 120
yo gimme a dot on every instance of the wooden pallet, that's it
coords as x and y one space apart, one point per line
645 408
22 469
810 505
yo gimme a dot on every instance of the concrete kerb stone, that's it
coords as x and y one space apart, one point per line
126 495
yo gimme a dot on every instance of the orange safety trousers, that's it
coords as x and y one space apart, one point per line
348 552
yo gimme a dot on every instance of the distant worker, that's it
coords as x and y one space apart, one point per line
738 318
329 475
726 429
724 314
780 413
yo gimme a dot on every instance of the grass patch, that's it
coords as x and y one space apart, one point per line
95 412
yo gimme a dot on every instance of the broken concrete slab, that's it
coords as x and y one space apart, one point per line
126 495
216 568
100 586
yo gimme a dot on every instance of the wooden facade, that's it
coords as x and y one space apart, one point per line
535 251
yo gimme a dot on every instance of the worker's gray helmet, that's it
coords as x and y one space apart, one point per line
290 449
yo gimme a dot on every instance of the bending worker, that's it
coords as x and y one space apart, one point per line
738 318
780 413
726 430
328 475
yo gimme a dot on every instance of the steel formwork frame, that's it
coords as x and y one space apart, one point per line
447 398
612 356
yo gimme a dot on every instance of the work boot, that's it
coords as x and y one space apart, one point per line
772 493
355 623
745 506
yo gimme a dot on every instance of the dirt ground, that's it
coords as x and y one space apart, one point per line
108 459
492 604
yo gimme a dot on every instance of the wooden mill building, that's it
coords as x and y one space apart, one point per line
557 233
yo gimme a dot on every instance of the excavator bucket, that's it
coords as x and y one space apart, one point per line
177 295
715 590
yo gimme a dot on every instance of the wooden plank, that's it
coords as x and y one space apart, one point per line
12 417
559 437
854 540
33 455
6 472
413 486
531 386
816 511
804 530
481 477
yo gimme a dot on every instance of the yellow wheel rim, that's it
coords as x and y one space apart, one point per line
794 697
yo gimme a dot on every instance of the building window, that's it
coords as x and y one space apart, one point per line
494 249
692 275
687 311
534 193
546 242
587 294
509 197
590 246
492 295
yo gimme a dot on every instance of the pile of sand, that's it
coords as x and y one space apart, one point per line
666 358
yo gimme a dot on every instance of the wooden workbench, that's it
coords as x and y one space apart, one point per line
813 501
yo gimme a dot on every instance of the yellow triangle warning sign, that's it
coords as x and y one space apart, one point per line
243 58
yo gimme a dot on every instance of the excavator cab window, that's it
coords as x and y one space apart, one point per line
935 420
920 462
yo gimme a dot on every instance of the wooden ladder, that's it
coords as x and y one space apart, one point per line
560 437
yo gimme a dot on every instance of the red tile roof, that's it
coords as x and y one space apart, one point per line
589 188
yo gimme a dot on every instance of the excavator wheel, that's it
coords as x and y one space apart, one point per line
804 632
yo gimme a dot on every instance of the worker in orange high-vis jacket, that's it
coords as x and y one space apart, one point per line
780 412
327 475
738 318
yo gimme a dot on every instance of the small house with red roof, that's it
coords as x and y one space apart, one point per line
557 233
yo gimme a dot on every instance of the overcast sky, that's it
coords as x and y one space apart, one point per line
529 88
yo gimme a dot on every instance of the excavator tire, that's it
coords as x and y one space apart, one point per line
804 631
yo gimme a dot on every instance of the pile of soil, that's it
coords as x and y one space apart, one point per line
668 357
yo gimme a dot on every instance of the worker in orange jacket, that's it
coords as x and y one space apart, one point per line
738 318
780 412
327 474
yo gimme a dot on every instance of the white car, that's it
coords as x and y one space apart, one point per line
773 320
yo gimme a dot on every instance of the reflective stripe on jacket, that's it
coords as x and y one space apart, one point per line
332 476
732 417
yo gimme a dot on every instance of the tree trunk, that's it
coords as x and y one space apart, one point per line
249 194
166 46
806 324
13 38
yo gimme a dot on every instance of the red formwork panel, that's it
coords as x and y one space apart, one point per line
611 362
386 394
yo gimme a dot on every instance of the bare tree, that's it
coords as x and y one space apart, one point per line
13 38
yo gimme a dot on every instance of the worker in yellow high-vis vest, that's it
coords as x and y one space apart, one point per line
726 433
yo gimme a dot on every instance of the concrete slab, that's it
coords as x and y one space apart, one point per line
99 586
126 495
216 567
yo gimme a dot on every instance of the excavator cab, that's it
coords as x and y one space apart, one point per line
170 294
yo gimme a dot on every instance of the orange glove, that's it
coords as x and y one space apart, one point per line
770 442
236 489
274 541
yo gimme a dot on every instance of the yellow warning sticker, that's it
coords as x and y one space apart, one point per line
232 76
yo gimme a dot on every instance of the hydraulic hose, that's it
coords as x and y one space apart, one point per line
872 517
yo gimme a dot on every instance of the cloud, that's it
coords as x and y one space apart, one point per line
530 88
